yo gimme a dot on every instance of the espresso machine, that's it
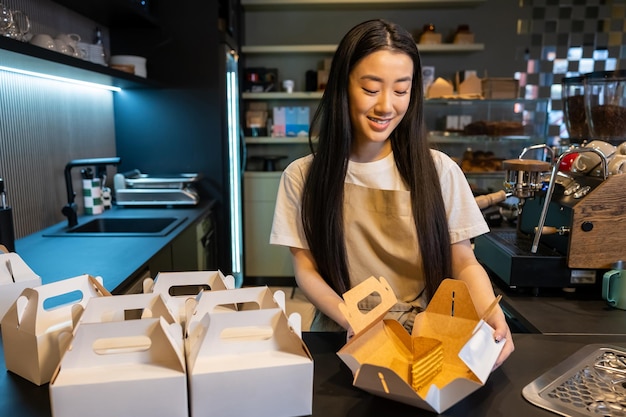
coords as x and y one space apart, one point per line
571 224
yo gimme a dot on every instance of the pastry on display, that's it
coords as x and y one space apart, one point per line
480 161
502 128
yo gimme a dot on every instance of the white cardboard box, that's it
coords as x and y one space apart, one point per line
248 363
32 325
177 287
380 353
126 307
15 275
248 298
122 368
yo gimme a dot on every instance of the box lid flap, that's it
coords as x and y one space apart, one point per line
453 298
13 269
360 321
481 351
103 309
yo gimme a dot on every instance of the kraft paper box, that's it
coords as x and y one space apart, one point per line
380 353
15 276
122 368
248 363
177 287
32 325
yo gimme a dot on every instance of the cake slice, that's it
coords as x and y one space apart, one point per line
427 361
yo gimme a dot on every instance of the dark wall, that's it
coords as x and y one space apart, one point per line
179 126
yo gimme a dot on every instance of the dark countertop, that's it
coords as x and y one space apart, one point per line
565 315
113 258
334 395
557 311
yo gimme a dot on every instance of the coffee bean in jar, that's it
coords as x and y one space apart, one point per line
605 105
573 97
609 122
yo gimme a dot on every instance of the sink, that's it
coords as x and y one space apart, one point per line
122 226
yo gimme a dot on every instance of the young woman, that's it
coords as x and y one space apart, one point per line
373 198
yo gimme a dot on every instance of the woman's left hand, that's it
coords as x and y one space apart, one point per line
501 334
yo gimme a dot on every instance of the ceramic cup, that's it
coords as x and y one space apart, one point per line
43 40
67 43
614 288
61 46
288 85
617 165
566 163
587 161
71 39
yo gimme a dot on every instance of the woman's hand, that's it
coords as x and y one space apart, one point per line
466 268
349 334
501 334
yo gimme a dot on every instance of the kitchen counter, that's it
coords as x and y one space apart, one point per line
115 259
565 315
556 311
334 395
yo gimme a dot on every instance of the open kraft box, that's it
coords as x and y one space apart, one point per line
380 353
32 326
257 350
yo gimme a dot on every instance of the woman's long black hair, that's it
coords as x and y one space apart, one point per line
322 212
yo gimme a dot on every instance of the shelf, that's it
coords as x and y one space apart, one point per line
24 56
329 49
350 4
442 137
261 140
297 95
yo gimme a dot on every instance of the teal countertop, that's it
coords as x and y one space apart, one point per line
115 259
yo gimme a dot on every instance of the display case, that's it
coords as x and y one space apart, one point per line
480 134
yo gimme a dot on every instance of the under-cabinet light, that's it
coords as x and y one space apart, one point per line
62 79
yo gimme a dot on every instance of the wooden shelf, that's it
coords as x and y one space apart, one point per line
349 4
329 49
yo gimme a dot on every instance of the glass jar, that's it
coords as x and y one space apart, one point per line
605 105
573 96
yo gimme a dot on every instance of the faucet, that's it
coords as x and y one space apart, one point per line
69 210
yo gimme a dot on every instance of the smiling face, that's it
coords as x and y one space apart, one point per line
379 94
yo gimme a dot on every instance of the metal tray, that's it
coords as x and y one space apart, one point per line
161 181
591 382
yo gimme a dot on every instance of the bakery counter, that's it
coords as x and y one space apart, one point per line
334 395
116 259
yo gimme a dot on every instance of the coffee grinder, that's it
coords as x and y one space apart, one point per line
571 226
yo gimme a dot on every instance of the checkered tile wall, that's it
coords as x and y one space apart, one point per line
562 38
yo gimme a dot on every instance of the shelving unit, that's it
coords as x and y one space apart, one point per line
304 49
296 95
26 57
293 57
294 4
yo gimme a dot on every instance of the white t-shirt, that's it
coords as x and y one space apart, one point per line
465 220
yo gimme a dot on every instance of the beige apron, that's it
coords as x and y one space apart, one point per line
381 241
